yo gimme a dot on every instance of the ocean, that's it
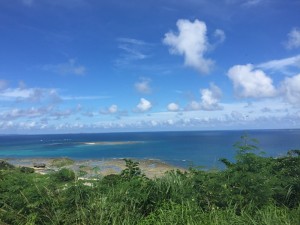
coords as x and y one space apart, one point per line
184 148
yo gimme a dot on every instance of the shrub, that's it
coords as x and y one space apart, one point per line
132 170
111 179
5 165
64 175
25 169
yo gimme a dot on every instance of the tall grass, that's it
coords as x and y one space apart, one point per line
254 191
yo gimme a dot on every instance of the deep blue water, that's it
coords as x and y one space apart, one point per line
200 148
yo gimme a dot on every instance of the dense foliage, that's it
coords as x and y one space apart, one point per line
251 190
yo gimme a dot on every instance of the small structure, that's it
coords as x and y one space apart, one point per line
39 165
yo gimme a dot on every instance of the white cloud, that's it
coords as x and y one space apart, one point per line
220 36
71 67
113 109
16 93
16 113
29 94
132 53
132 41
291 88
210 98
281 64
143 86
234 115
173 107
248 82
132 50
293 39
191 42
144 105
194 105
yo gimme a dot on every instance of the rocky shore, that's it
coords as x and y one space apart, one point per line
92 168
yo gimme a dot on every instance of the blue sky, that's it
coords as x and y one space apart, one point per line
104 66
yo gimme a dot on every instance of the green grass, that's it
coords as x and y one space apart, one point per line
253 190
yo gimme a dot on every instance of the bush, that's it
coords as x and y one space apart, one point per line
111 179
5 165
25 169
132 170
64 175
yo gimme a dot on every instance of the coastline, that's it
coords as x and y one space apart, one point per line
92 168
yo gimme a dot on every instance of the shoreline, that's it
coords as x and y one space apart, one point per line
92 168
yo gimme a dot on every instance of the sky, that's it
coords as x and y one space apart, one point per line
81 66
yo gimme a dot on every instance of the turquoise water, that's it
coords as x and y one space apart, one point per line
200 148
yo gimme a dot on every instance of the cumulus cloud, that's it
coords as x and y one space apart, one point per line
144 105
143 86
249 82
291 88
173 107
113 109
293 39
191 42
210 98
69 68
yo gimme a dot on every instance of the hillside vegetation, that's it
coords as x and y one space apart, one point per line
251 190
